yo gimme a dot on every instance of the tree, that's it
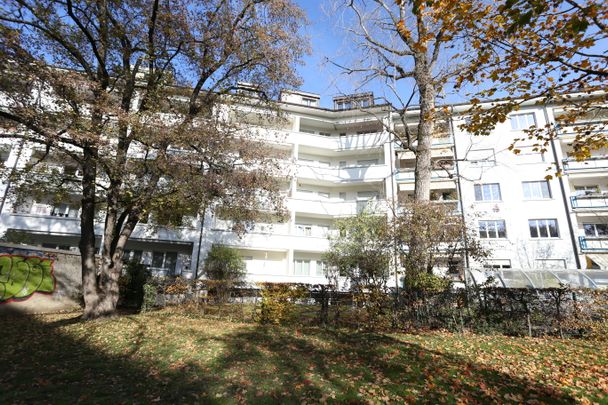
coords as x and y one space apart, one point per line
361 252
137 96
549 52
225 268
413 42
443 241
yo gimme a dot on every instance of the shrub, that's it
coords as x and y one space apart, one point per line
131 284
225 269
278 304
149 297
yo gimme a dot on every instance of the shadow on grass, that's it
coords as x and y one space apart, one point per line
66 361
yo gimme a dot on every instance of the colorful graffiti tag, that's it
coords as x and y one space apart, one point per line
21 276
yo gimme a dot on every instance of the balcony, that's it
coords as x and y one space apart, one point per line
335 208
343 174
591 165
408 175
338 143
591 202
593 244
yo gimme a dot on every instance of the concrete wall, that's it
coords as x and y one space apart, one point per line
37 280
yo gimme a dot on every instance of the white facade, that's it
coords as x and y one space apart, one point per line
342 161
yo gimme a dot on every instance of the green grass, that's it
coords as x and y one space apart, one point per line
174 357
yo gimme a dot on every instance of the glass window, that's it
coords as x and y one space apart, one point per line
522 121
343 196
596 230
302 267
321 266
482 157
583 190
170 261
303 230
342 163
367 162
158 259
487 192
536 190
543 228
492 229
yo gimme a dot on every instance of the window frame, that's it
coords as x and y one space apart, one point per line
520 115
534 197
482 187
546 228
495 229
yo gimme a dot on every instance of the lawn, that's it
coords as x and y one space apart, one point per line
171 356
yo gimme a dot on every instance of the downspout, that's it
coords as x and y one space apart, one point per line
9 181
563 192
200 241
457 166
392 180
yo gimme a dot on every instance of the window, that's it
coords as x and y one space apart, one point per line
324 133
596 230
584 190
528 154
303 230
5 152
311 102
492 229
367 162
543 228
522 121
164 260
367 195
301 267
324 195
307 131
498 264
64 210
321 266
536 190
343 196
482 157
487 192
342 163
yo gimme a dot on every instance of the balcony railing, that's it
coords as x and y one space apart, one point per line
335 209
593 163
593 244
408 174
594 201
343 174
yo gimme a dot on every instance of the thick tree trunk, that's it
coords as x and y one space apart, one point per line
91 293
423 170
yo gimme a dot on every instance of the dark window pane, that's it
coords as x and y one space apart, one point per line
589 229
553 228
542 228
482 229
533 229
157 259
602 229
170 260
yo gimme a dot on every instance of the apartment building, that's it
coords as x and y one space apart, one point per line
342 160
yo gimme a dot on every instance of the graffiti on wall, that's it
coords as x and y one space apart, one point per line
21 276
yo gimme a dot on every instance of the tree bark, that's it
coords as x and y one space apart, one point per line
91 293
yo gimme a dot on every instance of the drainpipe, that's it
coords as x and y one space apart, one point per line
457 166
9 180
563 192
392 180
200 241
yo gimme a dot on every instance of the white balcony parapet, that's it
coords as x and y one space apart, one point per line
335 208
343 174
593 163
590 201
